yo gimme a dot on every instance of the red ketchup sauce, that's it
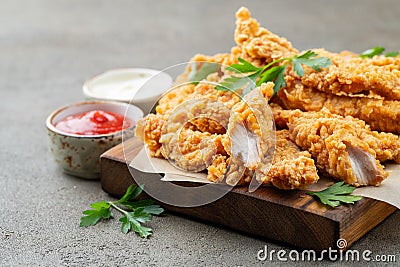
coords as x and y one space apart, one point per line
95 122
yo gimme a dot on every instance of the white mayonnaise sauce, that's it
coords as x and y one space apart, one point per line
127 84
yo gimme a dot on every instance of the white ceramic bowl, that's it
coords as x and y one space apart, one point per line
141 87
79 155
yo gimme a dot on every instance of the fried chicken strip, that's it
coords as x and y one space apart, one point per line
250 132
251 145
385 145
349 73
381 115
192 150
281 116
189 136
149 130
380 75
291 168
344 147
256 44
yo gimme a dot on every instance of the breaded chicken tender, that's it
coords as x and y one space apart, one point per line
385 145
291 167
351 74
344 117
381 115
256 44
149 129
251 131
189 135
192 150
251 145
377 76
344 147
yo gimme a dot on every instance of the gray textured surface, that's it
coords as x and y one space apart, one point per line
48 48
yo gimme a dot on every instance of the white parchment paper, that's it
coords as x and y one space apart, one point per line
388 191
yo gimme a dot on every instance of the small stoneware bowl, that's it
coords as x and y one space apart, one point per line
139 86
79 155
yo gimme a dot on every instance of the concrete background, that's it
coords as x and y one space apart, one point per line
47 50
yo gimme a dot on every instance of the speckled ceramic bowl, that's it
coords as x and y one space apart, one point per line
79 155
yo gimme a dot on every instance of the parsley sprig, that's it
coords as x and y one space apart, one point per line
200 71
135 212
377 50
336 194
270 72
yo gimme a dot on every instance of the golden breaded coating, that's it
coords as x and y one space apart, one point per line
207 90
291 168
281 117
149 129
381 115
216 171
257 44
250 130
208 125
199 128
182 141
174 97
344 148
250 127
352 74
189 150
385 145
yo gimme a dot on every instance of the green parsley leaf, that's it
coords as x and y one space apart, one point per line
131 221
153 209
310 59
377 50
139 212
298 68
336 194
280 81
137 204
126 224
391 54
232 84
235 83
140 215
100 205
270 72
244 67
143 231
131 193
200 71
101 210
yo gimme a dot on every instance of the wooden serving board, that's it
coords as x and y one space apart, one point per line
291 217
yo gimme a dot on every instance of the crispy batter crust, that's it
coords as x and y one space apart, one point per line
149 129
349 73
327 137
256 44
291 168
216 171
381 115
